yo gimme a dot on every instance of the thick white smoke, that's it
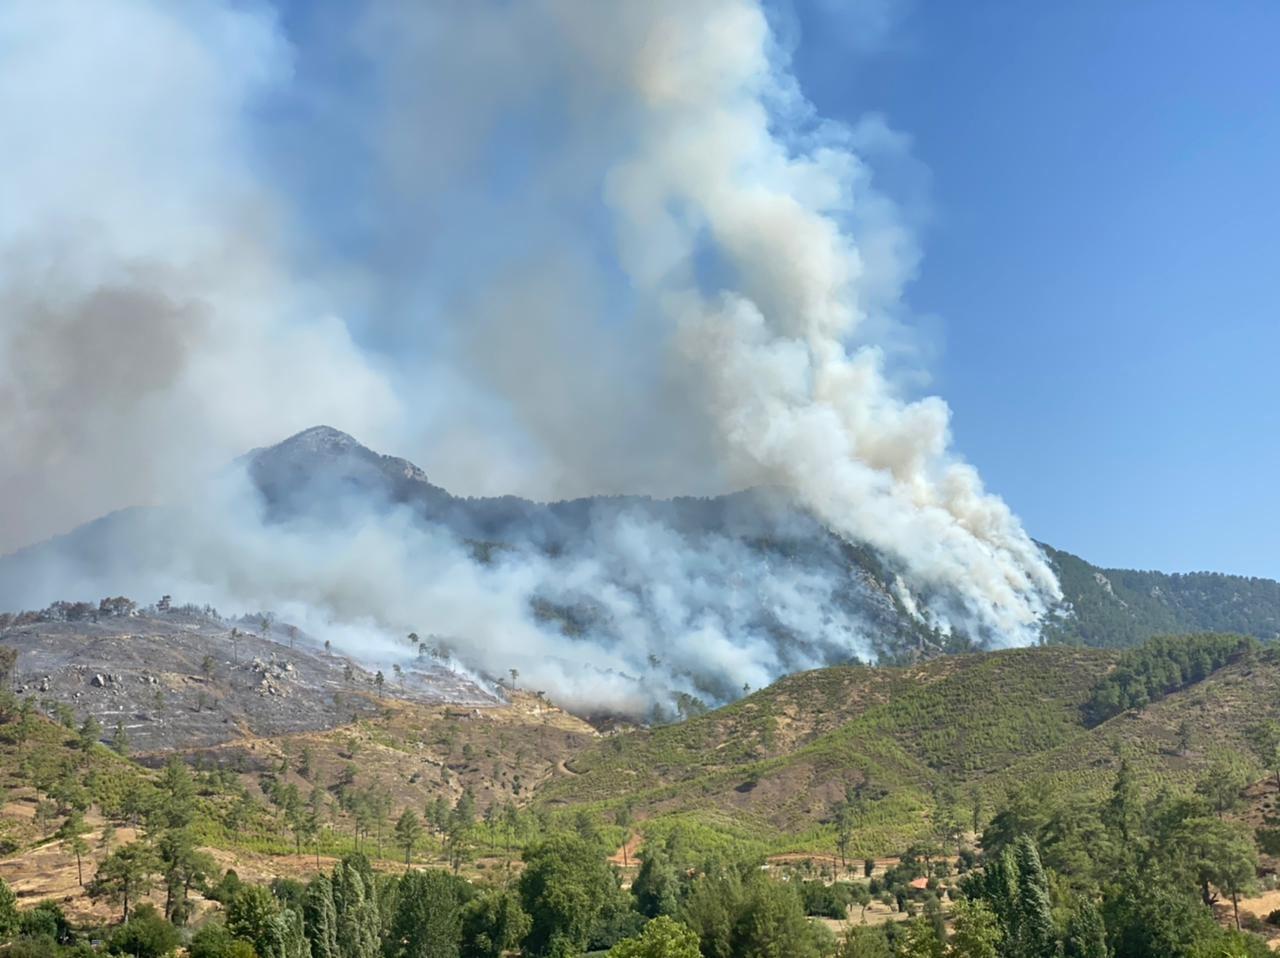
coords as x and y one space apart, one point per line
150 326
792 404
761 253
581 247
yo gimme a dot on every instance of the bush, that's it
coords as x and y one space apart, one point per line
145 935
826 901
46 920
226 888
662 938
33 948
214 941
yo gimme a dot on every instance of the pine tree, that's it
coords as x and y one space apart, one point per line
183 866
408 833
90 732
72 835
124 875
120 741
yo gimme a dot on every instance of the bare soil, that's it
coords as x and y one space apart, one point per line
177 680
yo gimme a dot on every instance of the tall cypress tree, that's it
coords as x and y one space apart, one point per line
358 925
1086 934
1034 933
320 918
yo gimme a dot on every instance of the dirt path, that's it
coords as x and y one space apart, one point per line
633 845
853 868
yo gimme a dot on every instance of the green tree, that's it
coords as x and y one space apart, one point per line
623 818
428 916
306 763
177 806
274 931
1034 935
1218 854
656 888
565 888
1146 916
862 941
125 875
120 741
919 940
183 866
664 937
214 941
45 921
1264 739
8 912
493 923
408 833
72 835
89 734
710 908
1123 807
250 915
1086 935
145 935
977 932
1183 741
770 923
1223 784
354 901
846 821
320 918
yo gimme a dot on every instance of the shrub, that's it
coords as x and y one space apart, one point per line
145 935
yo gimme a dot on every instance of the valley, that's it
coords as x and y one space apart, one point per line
815 774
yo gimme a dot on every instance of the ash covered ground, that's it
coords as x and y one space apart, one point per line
175 679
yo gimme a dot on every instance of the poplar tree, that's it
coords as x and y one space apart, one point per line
358 925
320 918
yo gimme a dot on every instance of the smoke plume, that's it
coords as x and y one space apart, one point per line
555 248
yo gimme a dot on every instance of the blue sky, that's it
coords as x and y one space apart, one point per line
1103 258
1100 291
496 238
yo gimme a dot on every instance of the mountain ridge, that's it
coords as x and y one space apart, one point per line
327 478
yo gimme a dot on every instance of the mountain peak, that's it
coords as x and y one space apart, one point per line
319 438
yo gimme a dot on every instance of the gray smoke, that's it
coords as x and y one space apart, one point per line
580 247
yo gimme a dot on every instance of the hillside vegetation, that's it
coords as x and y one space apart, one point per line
916 769
1119 608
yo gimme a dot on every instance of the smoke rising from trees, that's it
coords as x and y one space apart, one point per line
554 248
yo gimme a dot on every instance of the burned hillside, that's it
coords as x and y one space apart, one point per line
185 677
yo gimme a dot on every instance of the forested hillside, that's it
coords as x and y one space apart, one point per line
1036 798
1118 608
